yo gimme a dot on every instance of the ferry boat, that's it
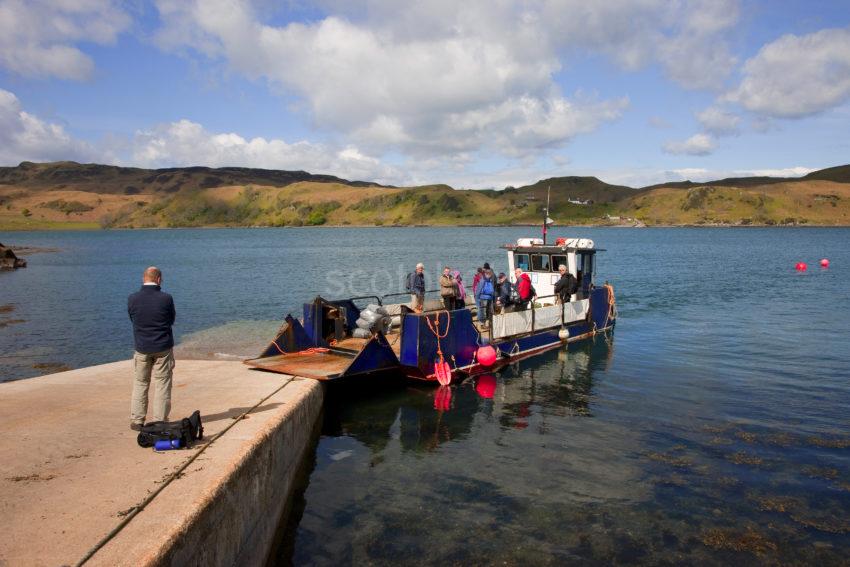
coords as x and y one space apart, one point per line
442 345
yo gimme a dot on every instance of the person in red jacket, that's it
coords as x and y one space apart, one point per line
523 289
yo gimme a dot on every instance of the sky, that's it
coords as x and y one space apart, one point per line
476 94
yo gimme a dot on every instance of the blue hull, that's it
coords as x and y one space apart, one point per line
303 350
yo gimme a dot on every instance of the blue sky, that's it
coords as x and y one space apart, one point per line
475 94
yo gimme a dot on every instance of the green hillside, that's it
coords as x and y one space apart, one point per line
72 195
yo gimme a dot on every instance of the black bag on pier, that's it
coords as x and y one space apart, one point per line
187 430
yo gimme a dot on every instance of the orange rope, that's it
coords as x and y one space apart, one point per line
274 342
315 350
612 304
437 334
437 324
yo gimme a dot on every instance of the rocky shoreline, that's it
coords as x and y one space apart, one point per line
9 260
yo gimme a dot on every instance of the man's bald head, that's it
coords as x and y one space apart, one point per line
152 275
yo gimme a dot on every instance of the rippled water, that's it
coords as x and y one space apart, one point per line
712 427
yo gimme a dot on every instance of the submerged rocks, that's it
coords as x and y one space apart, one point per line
8 260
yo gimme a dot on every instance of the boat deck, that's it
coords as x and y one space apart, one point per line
355 344
315 364
321 364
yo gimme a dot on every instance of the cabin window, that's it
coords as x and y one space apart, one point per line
521 262
540 262
557 261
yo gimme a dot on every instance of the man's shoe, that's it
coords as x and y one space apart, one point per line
136 426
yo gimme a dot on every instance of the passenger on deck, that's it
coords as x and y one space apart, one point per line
460 298
503 289
566 286
416 285
485 293
448 289
524 290
479 272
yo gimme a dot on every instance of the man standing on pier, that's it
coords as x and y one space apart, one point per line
152 313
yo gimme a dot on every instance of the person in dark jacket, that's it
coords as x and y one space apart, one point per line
416 287
504 292
152 312
566 286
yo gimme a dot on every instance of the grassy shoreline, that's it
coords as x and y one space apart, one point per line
94 227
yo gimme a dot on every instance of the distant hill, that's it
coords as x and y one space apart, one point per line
840 174
115 180
580 188
727 182
73 195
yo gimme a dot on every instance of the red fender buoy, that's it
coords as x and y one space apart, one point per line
486 355
801 267
824 263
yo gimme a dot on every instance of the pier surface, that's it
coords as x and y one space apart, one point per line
72 470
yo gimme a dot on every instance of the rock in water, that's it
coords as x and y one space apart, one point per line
8 260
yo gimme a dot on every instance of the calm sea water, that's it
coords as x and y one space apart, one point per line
713 426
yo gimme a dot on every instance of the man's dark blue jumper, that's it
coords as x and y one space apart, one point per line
152 313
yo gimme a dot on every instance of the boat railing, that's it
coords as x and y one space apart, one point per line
375 297
533 307
406 294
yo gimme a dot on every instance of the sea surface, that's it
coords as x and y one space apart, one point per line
711 427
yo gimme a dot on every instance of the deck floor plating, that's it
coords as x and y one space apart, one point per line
321 365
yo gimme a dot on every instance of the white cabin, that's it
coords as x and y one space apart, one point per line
541 262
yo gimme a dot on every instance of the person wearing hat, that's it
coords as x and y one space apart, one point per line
503 291
485 293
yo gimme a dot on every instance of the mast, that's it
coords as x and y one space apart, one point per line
546 219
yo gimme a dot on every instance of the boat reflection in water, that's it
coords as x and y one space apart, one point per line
555 383
517 456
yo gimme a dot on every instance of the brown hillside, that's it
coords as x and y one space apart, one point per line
792 202
95 178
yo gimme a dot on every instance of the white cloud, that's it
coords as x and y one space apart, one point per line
696 56
186 143
37 37
696 145
718 121
636 177
436 78
25 137
797 76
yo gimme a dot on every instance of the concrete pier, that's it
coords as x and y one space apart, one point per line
71 471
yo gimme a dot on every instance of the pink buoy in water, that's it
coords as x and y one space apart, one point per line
486 355
486 386
801 267
824 263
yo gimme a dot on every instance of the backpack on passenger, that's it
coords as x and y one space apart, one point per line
186 431
487 291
